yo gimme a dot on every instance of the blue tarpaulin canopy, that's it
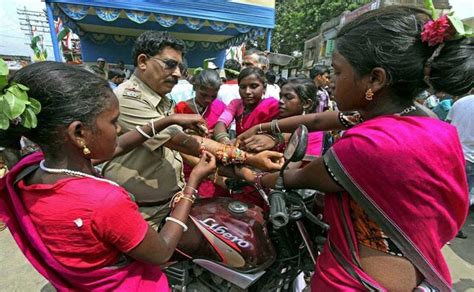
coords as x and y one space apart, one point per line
108 28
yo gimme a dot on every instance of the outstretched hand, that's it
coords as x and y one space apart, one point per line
257 143
245 135
205 167
266 160
192 122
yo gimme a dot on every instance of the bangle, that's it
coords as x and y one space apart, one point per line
349 119
260 131
181 196
277 127
258 180
152 126
179 222
140 130
194 191
216 175
274 127
220 136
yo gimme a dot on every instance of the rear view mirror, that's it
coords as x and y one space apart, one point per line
296 148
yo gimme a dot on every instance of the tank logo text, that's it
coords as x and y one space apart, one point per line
224 232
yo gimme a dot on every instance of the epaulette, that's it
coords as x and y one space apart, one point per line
132 92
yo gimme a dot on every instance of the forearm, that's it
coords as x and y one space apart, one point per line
171 231
312 176
189 159
314 122
133 138
157 248
220 132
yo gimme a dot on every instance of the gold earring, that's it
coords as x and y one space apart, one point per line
85 150
369 94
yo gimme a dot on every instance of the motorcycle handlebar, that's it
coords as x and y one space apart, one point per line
278 213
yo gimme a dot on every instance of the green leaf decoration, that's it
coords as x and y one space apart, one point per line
22 87
3 68
14 102
19 93
14 106
231 71
29 119
197 71
35 105
4 121
4 107
457 24
3 82
63 33
468 30
429 5
3 74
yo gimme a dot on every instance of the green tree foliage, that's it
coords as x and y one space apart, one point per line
297 20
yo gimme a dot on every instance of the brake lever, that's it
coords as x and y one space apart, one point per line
293 197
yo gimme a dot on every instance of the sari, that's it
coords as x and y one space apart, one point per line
211 114
315 145
207 188
419 200
129 276
265 111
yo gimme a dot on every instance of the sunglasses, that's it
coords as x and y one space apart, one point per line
170 64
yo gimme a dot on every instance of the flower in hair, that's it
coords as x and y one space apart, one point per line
443 28
437 31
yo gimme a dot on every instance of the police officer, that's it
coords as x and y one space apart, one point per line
152 172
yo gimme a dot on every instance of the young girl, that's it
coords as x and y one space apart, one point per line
81 231
205 103
251 109
298 96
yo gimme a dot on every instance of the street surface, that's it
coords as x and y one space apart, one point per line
16 274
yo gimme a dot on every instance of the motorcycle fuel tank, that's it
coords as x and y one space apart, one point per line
229 232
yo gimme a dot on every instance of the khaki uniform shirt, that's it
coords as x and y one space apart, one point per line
151 172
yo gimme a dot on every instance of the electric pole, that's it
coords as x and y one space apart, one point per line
33 22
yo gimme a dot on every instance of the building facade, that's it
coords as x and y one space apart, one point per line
318 49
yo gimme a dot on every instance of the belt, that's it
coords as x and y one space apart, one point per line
153 204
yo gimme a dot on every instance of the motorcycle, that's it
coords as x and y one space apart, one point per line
234 246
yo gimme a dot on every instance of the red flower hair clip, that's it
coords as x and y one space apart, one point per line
443 28
437 31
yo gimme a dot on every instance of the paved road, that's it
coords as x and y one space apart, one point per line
17 275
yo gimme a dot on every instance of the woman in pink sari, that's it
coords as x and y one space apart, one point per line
205 103
250 109
297 97
80 231
391 204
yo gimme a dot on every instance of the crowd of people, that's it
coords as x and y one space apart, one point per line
104 200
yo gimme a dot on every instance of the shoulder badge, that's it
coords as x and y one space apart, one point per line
132 92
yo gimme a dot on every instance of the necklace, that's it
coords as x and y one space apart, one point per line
406 110
73 173
197 109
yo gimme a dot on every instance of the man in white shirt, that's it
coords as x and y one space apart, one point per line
230 89
461 116
256 58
